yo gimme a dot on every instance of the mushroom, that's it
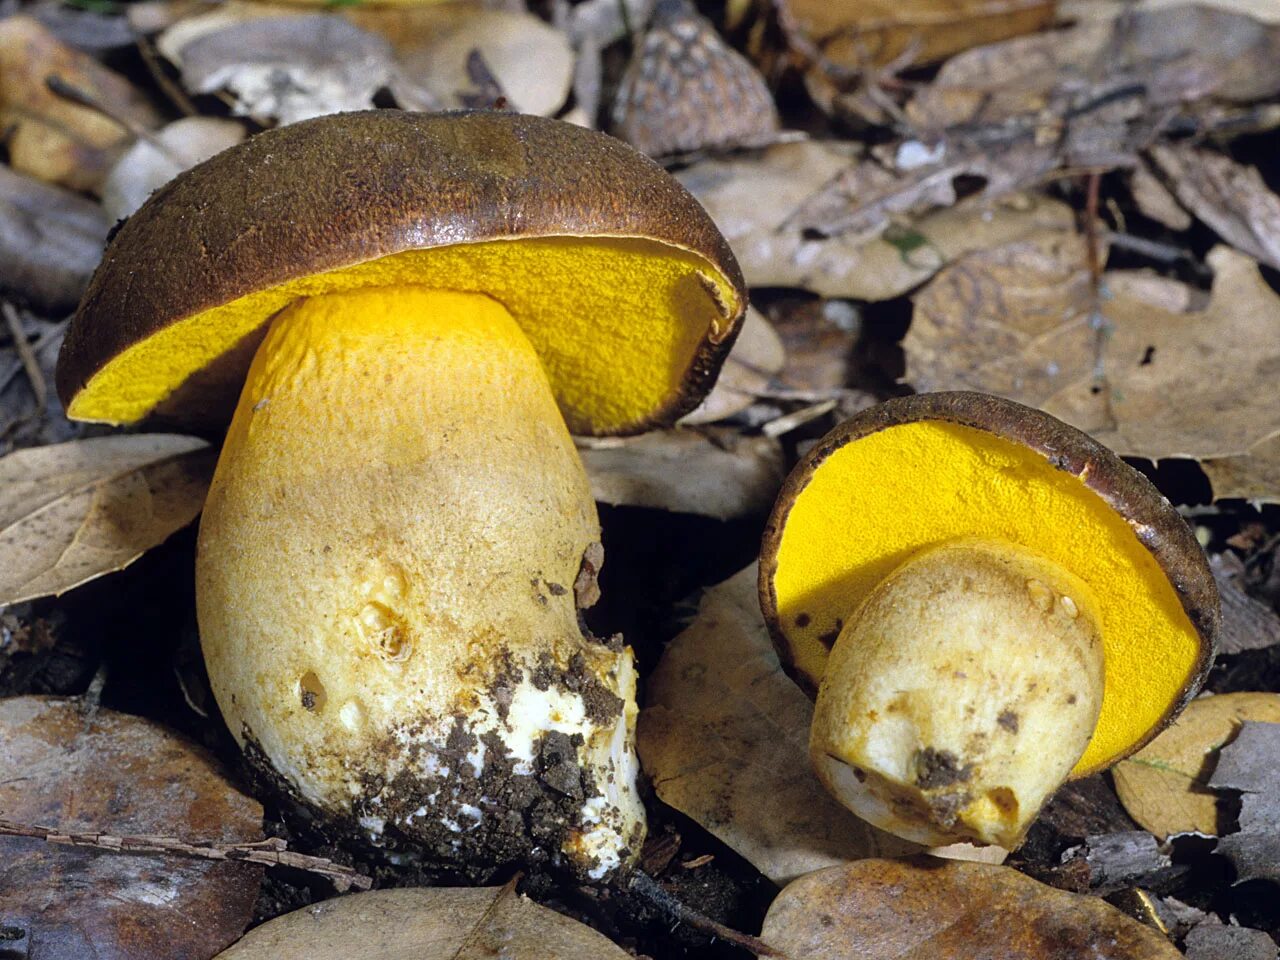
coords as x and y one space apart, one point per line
400 535
986 602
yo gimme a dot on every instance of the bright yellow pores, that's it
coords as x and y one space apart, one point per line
388 553
616 322
877 500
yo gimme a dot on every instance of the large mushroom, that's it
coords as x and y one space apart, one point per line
985 602
399 537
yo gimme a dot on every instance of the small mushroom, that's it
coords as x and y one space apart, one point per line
410 308
986 602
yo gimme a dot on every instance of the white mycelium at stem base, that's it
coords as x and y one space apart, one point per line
386 585
961 694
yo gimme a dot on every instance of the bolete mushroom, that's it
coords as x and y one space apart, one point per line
985 602
400 534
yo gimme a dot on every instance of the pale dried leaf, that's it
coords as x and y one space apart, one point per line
440 923
920 908
1154 199
712 473
1216 941
150 164
725 737
756 358
1164 786
1228 196
530 61
753 201
50 242
107 772
1264 11
685 89
287 68
50 137
858 35
1020 321
75 511
1251 764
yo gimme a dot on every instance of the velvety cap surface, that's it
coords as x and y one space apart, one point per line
616 274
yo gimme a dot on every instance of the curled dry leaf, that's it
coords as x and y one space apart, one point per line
758 355
1165 785
51 137
890 909
440 923
685 89
150 164
712 473
1228 196
1146 380
50 242
858 34
287 68
1102 90
1154 199
1251 764
753 201
725 737
437 46
110 772
75 511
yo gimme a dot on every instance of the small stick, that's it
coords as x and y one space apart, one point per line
645 886
272 852
28 357
177 96
70 92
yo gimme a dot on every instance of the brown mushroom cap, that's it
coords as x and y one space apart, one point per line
943 467
344 191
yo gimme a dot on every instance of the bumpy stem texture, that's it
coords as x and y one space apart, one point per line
385 586
961 694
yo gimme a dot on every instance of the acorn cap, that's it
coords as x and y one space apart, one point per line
923 470
619 278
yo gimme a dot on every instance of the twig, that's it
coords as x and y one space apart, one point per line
641 884
69 91
272 852
177 96
25 354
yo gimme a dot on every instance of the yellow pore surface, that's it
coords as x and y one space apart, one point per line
876 501
615 321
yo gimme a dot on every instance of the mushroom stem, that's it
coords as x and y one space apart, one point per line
385 585
960 694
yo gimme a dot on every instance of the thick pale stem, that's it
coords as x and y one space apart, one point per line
386 576
961 694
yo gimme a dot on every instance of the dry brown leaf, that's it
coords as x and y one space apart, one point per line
50 137
530 62
1164 786
1019 321
711 473
753 201
50 242
725 737
685 89
440 923
1101 91
150 164
75 511
756 358
79 770
921 908
1228 196
857 34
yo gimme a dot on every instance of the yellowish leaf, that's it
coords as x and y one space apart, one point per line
1164 786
